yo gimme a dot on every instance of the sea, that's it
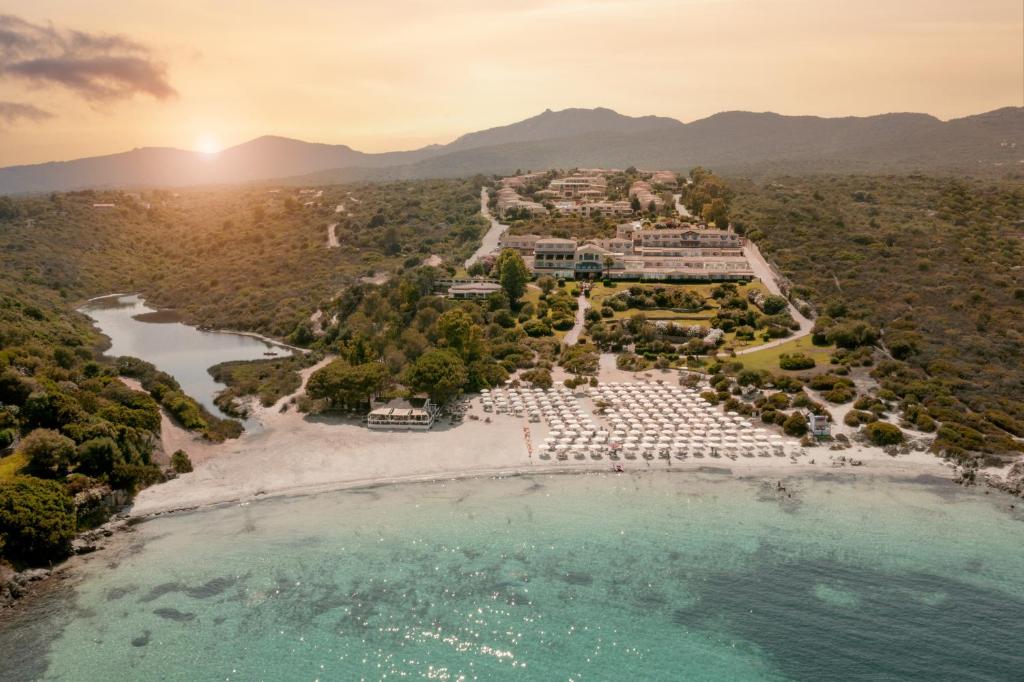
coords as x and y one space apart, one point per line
603 576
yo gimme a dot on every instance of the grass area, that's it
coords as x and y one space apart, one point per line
12 464
599 293
769 358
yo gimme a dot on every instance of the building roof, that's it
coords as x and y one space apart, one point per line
550 241
468 287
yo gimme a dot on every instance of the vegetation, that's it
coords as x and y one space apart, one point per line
37 520
882 433
180 462
928 270
269 380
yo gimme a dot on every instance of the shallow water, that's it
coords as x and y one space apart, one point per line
663 576
183 351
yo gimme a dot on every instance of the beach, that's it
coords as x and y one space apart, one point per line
294 454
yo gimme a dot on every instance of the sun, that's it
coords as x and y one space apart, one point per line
208 144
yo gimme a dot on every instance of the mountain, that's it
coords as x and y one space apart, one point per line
730 142
565 123
260 159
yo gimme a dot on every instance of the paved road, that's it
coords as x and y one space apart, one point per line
764 272
680 209
572 337
490 240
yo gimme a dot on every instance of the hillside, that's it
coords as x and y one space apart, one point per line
731 142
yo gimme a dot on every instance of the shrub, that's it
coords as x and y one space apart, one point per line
883 433
840 394
710 396
540 378
795 361
37 520
795 425
857 417
49 453
180 462
536 328
563 323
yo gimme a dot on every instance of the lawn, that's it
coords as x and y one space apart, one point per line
769 358
599 293
11 465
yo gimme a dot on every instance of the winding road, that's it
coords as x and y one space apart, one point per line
489 243
763 271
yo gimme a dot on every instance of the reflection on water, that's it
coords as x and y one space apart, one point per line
184 352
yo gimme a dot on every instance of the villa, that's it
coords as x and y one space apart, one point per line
405 415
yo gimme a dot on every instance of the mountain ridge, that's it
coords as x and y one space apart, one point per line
730 140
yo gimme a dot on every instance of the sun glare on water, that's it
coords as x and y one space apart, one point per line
208 144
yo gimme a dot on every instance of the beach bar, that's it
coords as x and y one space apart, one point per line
399 414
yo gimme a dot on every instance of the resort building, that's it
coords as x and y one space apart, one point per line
636 254
642 191
509 200
473 290
590 208
523 243
554 256
404 415
664 178
580 186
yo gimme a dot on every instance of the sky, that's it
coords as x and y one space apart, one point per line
87 78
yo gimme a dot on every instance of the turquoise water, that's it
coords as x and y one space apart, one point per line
585 577
184 352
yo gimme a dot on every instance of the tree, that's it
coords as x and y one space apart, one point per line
539 378
99 456
439 372
342 384
180 462
513 274
547 284
49 453
37 520
457 330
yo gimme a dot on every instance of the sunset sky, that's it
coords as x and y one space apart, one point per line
84 78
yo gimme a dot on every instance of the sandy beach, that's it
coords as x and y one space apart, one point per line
295 453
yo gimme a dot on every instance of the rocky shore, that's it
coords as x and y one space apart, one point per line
16 585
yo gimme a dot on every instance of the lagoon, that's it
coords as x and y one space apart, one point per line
181 350
691 576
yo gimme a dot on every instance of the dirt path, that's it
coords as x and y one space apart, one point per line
489 243
332 236
582 306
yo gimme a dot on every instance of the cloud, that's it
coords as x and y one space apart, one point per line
98 67
12 112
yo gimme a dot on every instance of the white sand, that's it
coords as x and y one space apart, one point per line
295 453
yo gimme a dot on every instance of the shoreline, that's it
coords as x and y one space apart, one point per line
253 335
713 467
